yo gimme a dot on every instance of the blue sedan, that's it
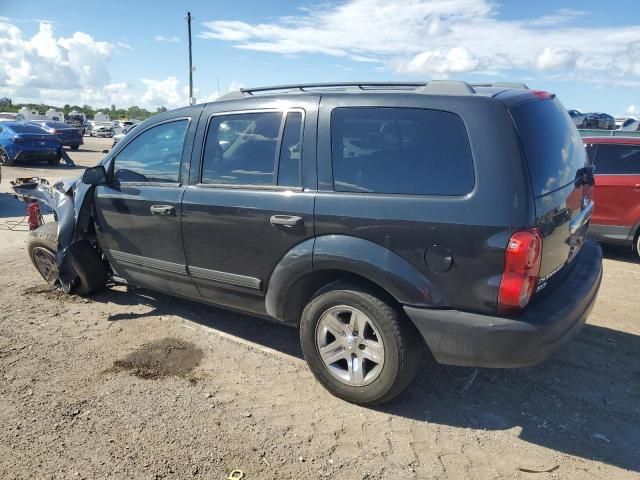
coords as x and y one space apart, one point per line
21 141
69 135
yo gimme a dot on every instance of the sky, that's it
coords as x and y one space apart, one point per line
135 52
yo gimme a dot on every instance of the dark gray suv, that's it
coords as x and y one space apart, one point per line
381 219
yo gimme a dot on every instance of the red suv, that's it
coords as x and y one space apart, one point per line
616 218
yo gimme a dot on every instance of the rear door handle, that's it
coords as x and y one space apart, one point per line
286 221
162 210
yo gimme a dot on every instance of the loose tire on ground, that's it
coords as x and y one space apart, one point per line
91 272
402 344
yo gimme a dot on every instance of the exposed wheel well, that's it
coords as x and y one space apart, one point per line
305 288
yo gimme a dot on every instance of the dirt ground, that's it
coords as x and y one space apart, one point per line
138 385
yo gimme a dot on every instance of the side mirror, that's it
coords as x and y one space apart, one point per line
95 175
105 151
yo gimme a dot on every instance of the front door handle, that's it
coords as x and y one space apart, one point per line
286 221
162 210
636 187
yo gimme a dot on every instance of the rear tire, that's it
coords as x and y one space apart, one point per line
54 161
397 344
75 147
91 272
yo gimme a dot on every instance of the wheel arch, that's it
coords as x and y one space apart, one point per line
321 261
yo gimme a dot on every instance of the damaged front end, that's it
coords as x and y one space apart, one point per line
71 202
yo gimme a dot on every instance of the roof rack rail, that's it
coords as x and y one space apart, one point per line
309 86
434 87
447 87
514 85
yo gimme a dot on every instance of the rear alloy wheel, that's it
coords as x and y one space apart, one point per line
350 345
359 347
638 244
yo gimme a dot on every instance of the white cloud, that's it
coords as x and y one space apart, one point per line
557 58
165 92
442 37
44 61
162 38
633 110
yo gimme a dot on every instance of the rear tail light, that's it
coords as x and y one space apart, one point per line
521 269
59 132
542 95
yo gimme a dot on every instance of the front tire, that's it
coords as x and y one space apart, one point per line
4 158
359 347
42 246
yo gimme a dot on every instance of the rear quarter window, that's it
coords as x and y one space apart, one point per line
617 159
400 151
552 145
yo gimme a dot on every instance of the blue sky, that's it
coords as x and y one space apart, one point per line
134 52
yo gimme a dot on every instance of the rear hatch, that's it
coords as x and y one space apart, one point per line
66 134
36 142
561 179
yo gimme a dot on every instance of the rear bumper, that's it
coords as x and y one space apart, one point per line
36 155
552 319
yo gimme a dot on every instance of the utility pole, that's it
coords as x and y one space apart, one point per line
192 100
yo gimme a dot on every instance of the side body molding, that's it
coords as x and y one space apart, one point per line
354 255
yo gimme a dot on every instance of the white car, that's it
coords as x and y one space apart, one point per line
8 117
630 125
582 120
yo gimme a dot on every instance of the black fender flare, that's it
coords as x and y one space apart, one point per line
385 268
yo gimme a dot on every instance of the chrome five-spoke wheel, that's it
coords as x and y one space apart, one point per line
350 345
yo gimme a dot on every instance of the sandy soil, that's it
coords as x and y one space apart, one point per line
139 385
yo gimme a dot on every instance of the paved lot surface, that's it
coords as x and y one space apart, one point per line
135 385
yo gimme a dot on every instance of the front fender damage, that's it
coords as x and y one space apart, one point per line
71 202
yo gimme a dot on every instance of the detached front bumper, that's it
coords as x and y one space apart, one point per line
552 319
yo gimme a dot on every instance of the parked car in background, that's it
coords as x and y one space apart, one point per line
580 119
69 136
377 218
21 142
602 120
8 117
77 120
125 131
630 125
616 217
99 129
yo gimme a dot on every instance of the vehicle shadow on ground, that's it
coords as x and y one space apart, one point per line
621 253
585 401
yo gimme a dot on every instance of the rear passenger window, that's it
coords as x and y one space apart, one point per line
400 150
241 149
617 159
